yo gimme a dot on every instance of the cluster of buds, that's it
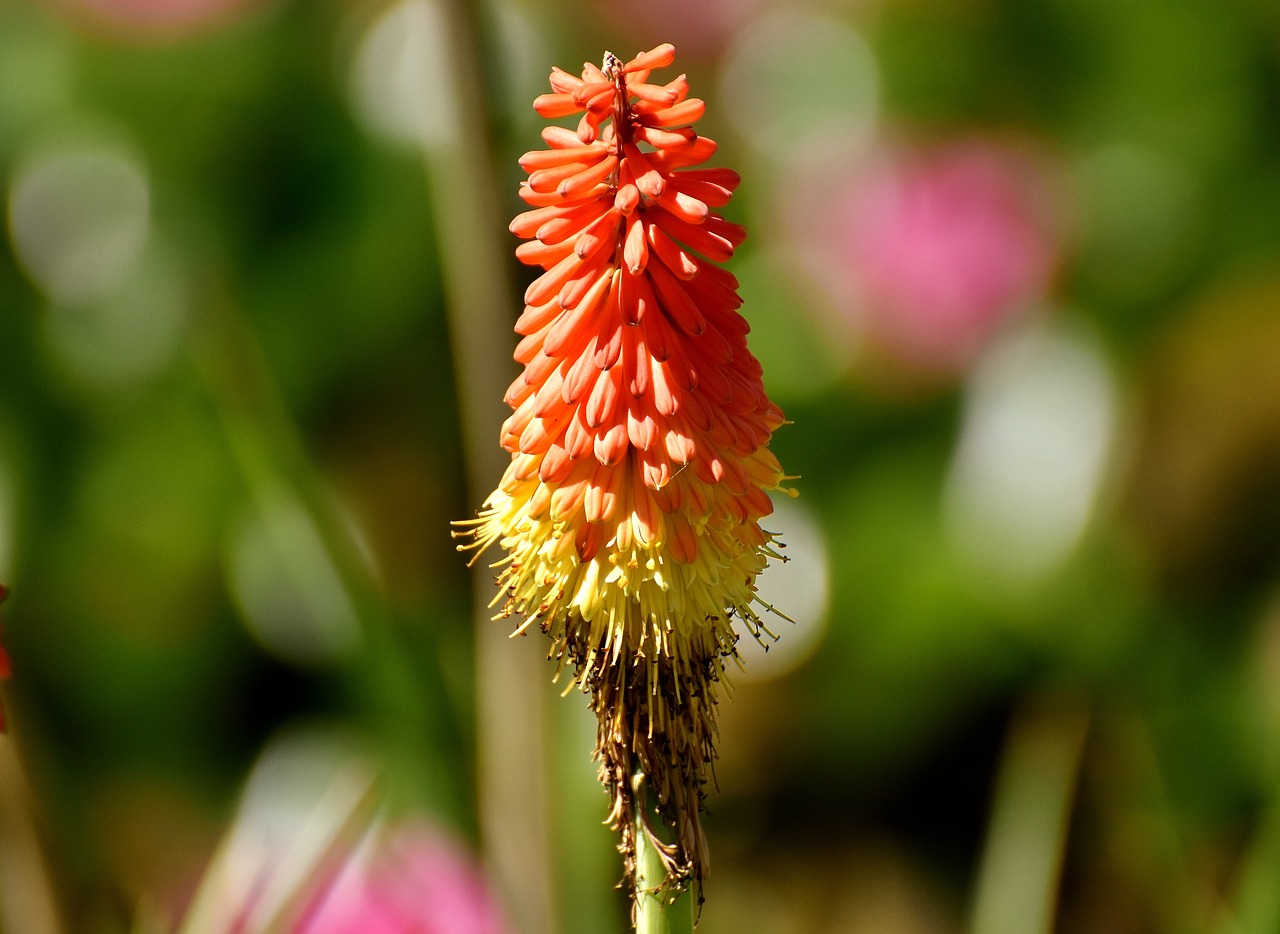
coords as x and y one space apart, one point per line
630 511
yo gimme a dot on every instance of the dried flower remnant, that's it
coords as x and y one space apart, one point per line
639 462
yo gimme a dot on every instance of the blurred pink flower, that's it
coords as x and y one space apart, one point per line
307 853
414 880
941 246
157 19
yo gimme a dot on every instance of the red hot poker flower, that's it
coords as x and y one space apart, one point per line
639 462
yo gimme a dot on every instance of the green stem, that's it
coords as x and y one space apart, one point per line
656 911
512 768
1021 869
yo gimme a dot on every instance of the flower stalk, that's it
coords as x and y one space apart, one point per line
658 909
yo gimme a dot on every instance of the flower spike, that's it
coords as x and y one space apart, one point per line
630 512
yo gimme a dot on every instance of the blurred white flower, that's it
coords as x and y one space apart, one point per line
1039 429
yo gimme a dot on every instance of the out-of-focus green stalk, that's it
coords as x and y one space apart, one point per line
1255 905
511 734
271 456
1018 879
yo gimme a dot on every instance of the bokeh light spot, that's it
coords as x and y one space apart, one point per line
792 78
400 84
126 337
1039 426
288 590
797 587
79 215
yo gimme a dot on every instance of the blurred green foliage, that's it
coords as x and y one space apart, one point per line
294 255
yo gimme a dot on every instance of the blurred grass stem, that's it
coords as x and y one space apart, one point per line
1018 879
1255 905
272 459
510 683
27 901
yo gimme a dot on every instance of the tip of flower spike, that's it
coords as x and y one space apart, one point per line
610 65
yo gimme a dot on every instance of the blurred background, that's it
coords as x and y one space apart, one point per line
1013 274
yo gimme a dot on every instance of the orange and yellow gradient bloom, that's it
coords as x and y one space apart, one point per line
640 468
